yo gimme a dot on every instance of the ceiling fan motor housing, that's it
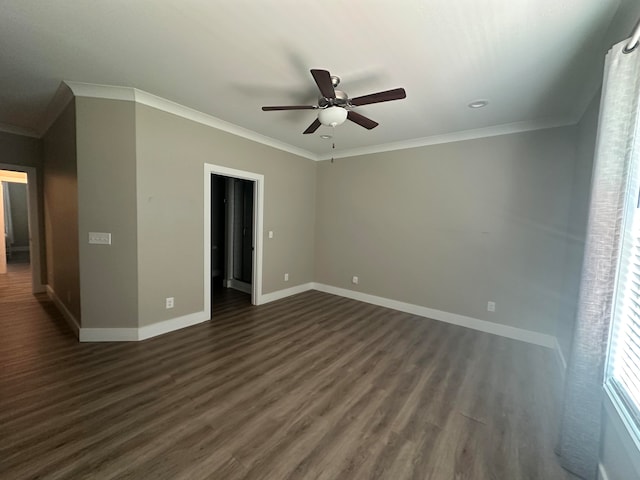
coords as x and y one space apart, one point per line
341 100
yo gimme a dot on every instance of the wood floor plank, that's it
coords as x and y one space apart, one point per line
314 386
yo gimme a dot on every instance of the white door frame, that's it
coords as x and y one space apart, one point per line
34 225
258 212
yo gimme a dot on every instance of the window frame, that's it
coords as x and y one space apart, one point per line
627 410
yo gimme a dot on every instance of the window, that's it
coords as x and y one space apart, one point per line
623 369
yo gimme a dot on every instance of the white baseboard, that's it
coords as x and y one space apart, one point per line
171 325
166 326
68 316
287 292
148 331
602 472
142 333
515 333
109 334
562 363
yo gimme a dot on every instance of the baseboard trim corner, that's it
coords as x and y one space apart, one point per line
562 363
166 326
66 314
136 334
507 331
287 292
108 334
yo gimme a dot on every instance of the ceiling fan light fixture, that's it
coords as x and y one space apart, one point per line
332 116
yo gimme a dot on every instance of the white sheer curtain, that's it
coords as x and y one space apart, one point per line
8 224
616 147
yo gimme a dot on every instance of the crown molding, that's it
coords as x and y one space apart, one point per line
144 98
492 131
94 90
14 130
131 94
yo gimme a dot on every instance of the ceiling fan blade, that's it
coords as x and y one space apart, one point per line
361 120
313 127
386 96
325 85
289 107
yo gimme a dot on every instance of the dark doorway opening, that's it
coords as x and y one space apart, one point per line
232 219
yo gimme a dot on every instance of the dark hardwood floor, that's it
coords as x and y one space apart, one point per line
313 386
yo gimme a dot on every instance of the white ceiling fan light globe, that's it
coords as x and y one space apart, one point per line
332 116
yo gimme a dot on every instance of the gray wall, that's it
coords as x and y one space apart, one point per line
171 153
19 214
61 210
619 455
20 150
107 203
453 226
140 178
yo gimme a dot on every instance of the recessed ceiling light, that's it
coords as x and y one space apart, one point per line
326 137
478 104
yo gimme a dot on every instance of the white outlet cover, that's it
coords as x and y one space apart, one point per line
99 238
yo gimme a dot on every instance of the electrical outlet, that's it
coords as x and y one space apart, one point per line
491 306
354 280
270 233
286 277
169 302
100 238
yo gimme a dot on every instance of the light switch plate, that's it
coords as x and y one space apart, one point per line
100 238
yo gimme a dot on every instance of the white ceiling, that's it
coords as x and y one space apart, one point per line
537 61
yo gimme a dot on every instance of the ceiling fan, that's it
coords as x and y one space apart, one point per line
336 107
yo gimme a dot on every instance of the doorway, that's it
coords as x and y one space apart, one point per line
19 222
232 212
233 233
